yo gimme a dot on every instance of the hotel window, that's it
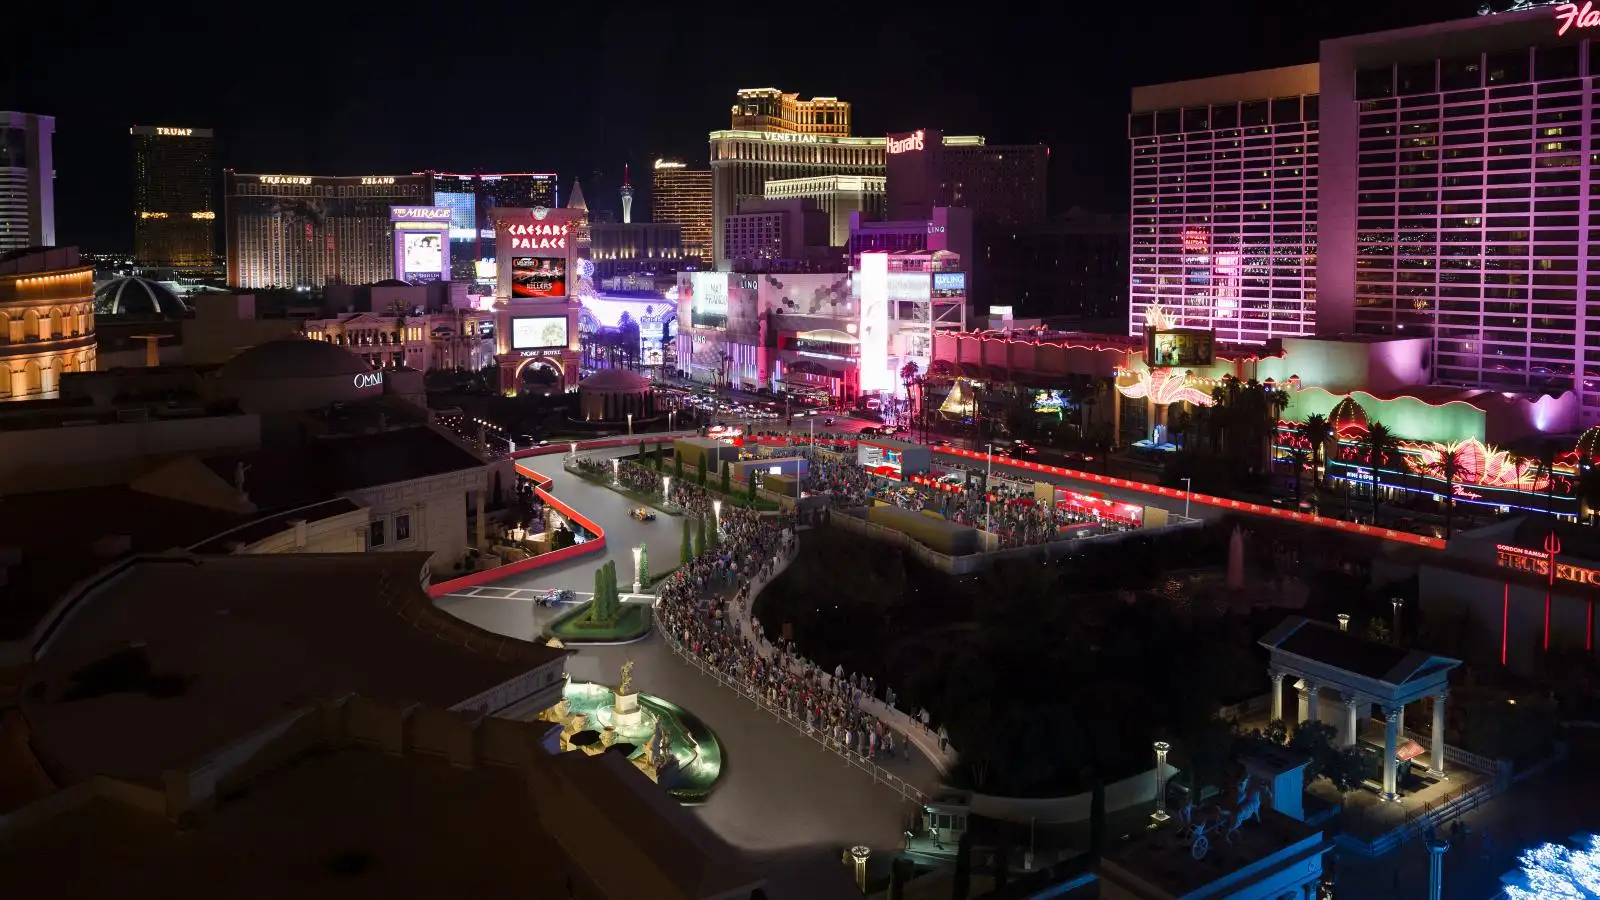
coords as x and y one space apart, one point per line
402 527
375 533
1510 67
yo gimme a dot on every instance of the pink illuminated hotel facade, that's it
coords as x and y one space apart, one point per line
1433 182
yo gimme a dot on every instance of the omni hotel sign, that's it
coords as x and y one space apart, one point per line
1539 563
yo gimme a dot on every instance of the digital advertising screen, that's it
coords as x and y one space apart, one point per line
954 282
708 299
538 332
1177 348
424 253
538 276
1049 401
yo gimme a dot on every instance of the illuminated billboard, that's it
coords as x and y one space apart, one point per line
423 254
1049 401
874 329
1179 347
708 298
539 333
538 276
954 282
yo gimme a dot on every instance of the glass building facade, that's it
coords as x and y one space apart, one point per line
174 197
472 200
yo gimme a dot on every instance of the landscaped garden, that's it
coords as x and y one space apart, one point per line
604 618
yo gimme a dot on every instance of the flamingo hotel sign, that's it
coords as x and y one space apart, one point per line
1571 16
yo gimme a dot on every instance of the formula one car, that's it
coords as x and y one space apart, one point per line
642 514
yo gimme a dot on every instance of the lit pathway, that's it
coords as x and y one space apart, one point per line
782 797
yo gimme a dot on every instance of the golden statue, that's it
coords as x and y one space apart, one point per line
627 679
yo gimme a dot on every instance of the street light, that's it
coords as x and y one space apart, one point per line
615 475
1160 815
666 489
716 514
1188 492
988 504
1398 602
572 449
630 423
1344 621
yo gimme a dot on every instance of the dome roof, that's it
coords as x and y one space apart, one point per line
294 358
615 380
135 296
390 282
1348 416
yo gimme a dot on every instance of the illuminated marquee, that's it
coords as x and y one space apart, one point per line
425 213
538 236
906 144
1537 563
377 179
286 179
1571 15
174 132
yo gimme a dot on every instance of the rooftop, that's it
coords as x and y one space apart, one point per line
300 474
1156 863
1324 643
56 534
212 647
342 823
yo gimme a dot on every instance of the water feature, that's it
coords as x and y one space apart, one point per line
696 753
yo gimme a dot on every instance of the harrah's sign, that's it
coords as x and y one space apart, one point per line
1571 16
912 141
538 236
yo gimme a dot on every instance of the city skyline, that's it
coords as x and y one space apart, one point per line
1015 88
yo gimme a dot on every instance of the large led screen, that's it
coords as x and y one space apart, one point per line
537 276
424 253
538 332
1186 347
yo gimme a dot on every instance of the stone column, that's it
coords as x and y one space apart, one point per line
483 528
1277 694
1308 701
1313 713
1391 718
1352 725
1438 734
1436 849
1116 417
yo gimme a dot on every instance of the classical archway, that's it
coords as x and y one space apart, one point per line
541 373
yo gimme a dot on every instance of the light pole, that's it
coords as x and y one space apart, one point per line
1344 621
637 552
716 514
630 423
615 474
988 504
1188 492
666 489
1160 815
1398 602
572 449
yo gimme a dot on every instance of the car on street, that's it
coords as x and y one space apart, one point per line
1075 458
871 431
1022 450
941 444
551 598
642 514
830 421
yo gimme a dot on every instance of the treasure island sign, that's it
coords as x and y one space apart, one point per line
1543 564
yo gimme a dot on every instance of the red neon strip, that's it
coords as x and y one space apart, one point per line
1504 620
1547 620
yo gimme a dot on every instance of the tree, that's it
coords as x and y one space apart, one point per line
750 487
644 565
700 473
1551 870
655 458
727 476
1317 432
961 884
597 605
1451 463
714 540
700 538
1378 629
686 553
1376 447
1297 459
677 465
642 452
1549 451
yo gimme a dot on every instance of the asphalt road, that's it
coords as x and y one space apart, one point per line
782 798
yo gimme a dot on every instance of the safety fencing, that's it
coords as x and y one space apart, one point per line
879 775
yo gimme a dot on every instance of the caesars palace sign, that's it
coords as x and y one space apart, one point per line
538 236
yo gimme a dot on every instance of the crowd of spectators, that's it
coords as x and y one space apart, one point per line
704 607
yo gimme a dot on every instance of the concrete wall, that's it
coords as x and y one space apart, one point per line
1492 609
438 510
1131 791
335 534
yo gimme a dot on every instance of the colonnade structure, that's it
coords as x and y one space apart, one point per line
1367 676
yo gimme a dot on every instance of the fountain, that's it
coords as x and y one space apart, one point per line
665 742
1236 559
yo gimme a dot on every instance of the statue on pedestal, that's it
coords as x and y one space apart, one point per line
627 679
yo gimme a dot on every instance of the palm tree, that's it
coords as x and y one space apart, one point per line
1449 466
1276 401
1376 445
1317 432
908 377
1297 458
1548 452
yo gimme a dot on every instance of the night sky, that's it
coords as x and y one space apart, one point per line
355 87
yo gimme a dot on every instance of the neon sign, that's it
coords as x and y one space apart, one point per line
377 179
906 144
366 380
1537 563
538 236
285 179
431 213
1571 15
174 132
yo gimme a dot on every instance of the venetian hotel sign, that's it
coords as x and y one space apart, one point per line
538 236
